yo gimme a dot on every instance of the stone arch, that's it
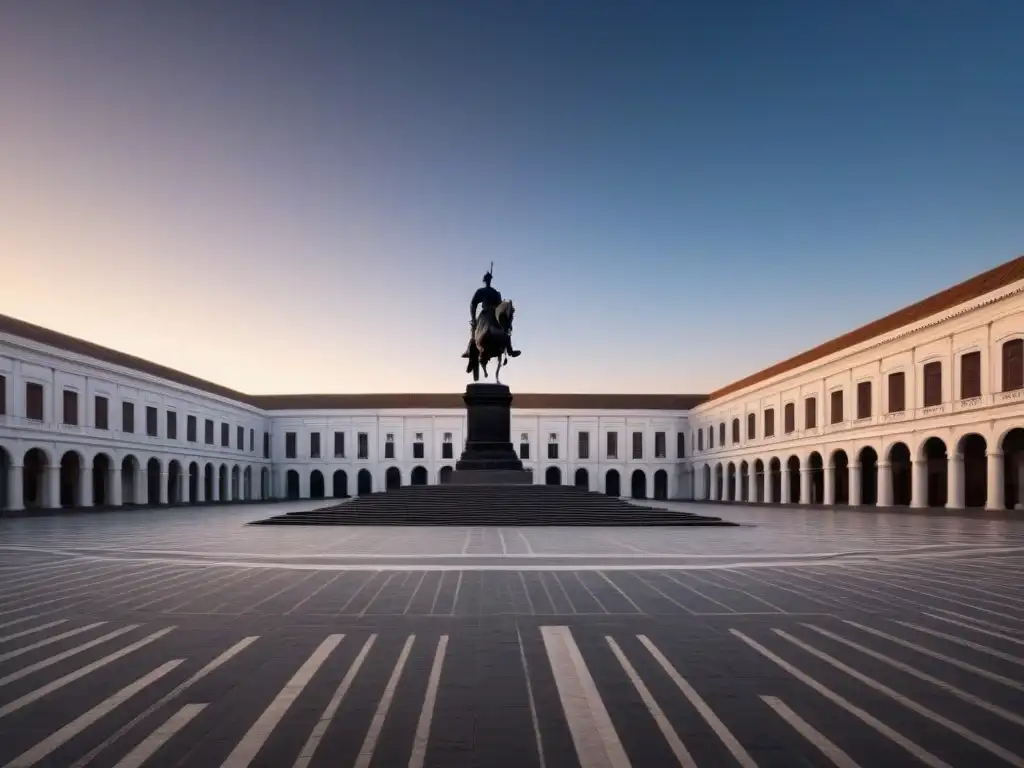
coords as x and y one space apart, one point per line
705 481
898 455
1011 443
236 483
419 476
840 464
209 483
793 467
293 488
936 462
973 447
364 482
661 485
759 481
130 472
392 478
719 482
582 479
638 484
552 476
153 481
102 471
612 483
339 484
264 483
34 490
247 483
445 475
173 482
730 482
71 465
316 484
193 482
816 479
867 458
775 478
744 481
223 483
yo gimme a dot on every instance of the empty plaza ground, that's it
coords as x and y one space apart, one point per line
183 637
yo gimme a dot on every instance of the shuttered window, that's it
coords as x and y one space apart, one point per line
751 426
864 400
790 418
932 384
769 422
835 407
1013 365
970 375
897 392
810 413
735 430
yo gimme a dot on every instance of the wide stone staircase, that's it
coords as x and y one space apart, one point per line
496 505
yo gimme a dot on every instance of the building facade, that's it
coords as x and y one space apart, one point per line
922 408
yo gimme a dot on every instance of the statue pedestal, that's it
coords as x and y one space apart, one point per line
489 458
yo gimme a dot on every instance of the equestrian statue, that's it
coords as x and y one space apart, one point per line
490 331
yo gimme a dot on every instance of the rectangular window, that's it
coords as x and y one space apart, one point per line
721 434
789 415
225 435
128 417
3 395
864 400
700 439
102 418
240 438
735 431
897 392
290 440
524 446
711 438
680 445
191 428
751 426
660 449
446 446
612 440
266 445
583 446
769 422
339 445
34 401
208 431
1013 365
172 425
70 407
417 449
362 446
152 425
389 446
638 445
932 384
970 375
314 445
810 413
835 407
553 446
252 440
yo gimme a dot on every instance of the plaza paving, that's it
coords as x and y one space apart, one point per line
807 637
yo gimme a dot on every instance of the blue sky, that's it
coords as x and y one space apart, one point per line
303 197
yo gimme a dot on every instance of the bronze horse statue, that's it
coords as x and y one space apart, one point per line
491 339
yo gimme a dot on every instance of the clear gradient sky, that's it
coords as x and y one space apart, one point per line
297 197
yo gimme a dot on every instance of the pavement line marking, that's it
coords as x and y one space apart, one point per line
724 734
23 619
377 724
947 687
674 742
60 682
313 594
213 665
838 757
940 656
455 597
56 740
309 749
408 605
148 747
640 611
541 760
419 745
697 592
245 576
1000 635
65 654
32 631
961 641
279 592
910 704
921 754
257 735
593 734
91 583
974 620
49 641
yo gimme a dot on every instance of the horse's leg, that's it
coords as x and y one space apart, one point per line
497 373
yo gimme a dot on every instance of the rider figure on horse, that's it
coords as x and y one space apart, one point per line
488 299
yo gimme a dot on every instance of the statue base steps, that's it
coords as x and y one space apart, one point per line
492 477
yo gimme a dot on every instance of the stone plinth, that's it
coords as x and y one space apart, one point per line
489 457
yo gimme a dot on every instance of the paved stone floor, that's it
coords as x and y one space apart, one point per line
806 638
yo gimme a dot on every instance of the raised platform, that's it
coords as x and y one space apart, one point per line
490 505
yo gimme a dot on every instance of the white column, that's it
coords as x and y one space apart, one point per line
51 498
830 485
805 485
768 484
141 486
713 495
184 489
114 480
15 487
955 482
751 482
85 487
201 486
855 484
163 488
215 496
919 483
884 484
995 499
785 486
